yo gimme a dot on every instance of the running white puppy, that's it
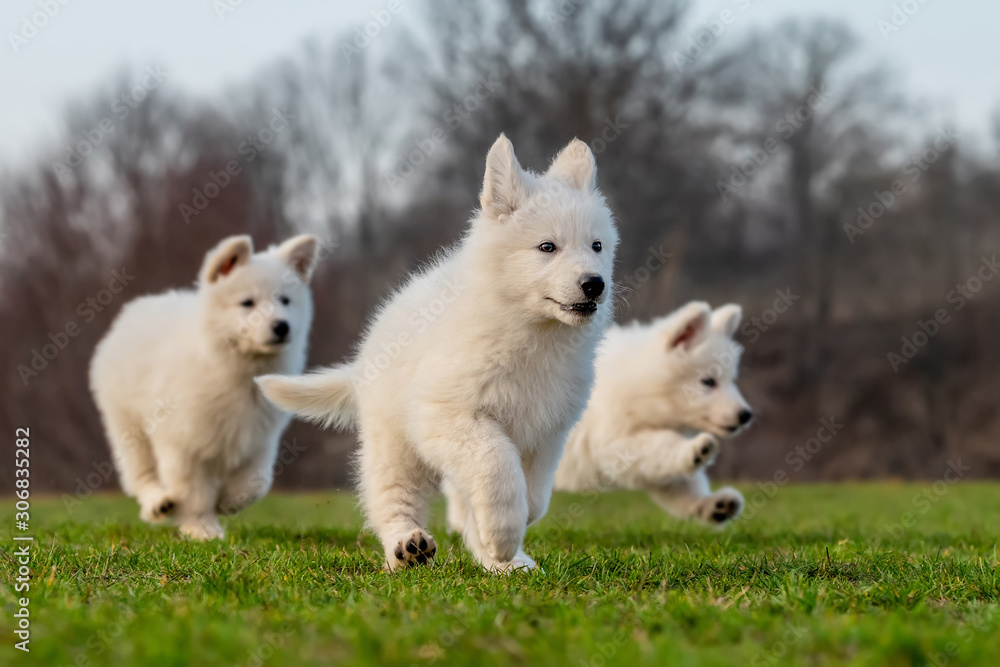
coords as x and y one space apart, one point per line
475 371
173 379
664 391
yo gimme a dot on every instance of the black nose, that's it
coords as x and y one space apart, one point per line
280 329
745 416
592 286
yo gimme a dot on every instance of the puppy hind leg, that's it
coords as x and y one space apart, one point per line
245 486
692 498
197 493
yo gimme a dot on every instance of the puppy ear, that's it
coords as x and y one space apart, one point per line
575 166
504 188
688 326
726 319
300 254
226 256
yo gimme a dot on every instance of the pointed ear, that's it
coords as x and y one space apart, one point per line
504 187
300 254
226 256
575 166
688 326
726 319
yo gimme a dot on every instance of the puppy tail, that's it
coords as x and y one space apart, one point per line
326 397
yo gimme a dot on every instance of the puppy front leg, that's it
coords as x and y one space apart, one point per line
654 458
485 469
394 487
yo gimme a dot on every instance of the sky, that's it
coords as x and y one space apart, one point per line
946 54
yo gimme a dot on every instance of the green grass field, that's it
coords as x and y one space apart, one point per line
814 578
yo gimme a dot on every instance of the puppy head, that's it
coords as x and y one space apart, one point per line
700 364
258 304
551 238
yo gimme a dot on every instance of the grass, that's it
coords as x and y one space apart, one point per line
813 578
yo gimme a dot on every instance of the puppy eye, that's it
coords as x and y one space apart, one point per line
547 247
284 300
247 303
709 382
597 246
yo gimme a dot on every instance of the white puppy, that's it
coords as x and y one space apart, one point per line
475 371
173 379
664 391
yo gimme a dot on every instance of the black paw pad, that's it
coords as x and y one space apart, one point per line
416 550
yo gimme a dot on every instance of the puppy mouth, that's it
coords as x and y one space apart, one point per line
581 308
731 429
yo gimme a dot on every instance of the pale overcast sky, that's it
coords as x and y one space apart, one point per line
947 53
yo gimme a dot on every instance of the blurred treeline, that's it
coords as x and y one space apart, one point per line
740 159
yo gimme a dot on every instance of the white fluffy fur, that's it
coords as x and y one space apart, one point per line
173 379
651 423
475 371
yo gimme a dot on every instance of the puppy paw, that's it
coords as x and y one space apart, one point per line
721 507
412 549
202 529
521 561
702 450
157 508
